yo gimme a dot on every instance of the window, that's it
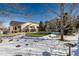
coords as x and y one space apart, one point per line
19 26
15 28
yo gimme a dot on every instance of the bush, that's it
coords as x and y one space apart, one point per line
68 32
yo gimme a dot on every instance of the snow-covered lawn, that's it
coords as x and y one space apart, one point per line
33 46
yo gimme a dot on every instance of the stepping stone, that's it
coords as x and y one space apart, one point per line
46 53
35 41
26 44
17 40
18 55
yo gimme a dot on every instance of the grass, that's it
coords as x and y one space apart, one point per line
31 34
9 35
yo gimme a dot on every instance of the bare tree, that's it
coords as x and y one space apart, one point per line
61 14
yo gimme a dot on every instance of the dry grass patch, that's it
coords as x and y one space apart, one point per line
1 41
10 40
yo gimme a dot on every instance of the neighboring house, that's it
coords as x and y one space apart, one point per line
16 26
1 29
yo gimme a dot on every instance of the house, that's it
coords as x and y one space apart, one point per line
1 29
16 26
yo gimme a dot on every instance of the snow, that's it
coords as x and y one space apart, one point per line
77 49
35 46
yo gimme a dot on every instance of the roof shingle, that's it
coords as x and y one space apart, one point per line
12 23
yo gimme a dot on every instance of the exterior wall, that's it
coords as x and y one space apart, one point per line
1 29
13 29
1 32
31 27
29 24
24 25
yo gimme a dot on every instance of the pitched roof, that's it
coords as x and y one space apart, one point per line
12 23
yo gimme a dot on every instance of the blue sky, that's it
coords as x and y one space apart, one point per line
30 12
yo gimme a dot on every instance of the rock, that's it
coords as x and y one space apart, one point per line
26 44
18 55
35 41
18 45
17 40
46 53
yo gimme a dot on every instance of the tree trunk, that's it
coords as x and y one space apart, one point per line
62 29
62 35
62 13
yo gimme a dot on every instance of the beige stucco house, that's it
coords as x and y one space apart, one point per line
16 26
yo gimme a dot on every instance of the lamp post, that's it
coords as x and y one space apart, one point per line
70 45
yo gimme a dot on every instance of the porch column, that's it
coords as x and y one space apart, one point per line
29 29
36 29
